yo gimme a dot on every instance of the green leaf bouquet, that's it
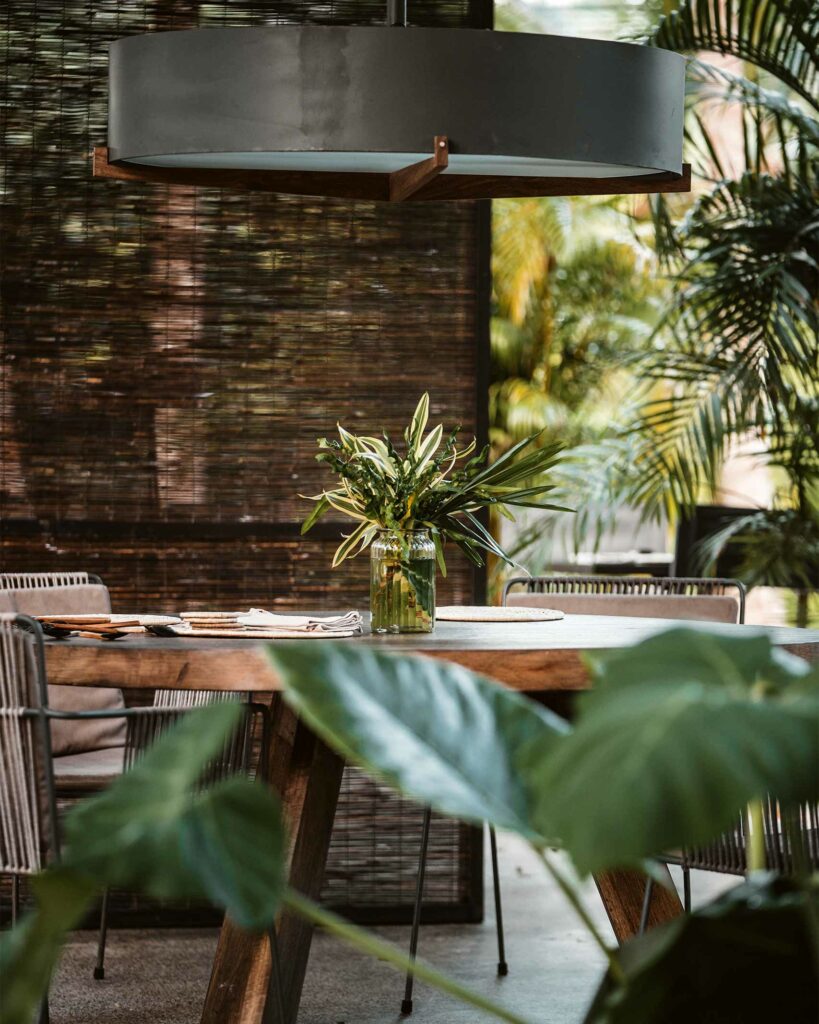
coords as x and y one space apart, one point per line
429 488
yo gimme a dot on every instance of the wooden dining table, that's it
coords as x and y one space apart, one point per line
541 659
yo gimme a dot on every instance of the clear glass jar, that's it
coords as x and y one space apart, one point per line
402 582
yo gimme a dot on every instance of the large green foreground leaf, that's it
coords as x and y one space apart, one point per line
440 733
154 831
29 951
748 958
678 735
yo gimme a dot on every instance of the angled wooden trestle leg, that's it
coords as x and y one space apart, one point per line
307 776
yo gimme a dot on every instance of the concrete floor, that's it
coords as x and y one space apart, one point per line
160 977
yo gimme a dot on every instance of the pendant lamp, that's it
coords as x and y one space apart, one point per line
394 113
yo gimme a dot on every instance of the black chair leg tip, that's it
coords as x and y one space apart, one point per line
99 973
406 1007
503 969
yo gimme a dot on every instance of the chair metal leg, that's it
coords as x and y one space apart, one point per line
406 1004
99 967
15 899
646 906
503 967
686 888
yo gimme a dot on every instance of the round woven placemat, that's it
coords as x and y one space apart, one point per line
495 613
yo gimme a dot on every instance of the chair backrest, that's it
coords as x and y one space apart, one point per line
691 598
53 593
69 593
28 820
787 849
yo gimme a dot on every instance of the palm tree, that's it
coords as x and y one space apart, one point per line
573 293
739 356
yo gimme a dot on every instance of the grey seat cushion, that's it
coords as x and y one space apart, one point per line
74 737
90 771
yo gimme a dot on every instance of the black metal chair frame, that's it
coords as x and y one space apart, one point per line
503 967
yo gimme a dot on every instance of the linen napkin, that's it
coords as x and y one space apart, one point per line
258 618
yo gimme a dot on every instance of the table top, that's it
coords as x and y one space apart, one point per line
536 656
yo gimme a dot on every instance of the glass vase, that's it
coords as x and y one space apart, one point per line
402 582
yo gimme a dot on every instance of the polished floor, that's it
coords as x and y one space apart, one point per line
160 977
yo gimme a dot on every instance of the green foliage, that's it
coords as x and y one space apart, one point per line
573 297
679 732
157 831
440 733
29 952
382 489
641 771
777 36
748 958
738 352
667 747
775 548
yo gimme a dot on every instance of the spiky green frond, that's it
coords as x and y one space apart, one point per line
777 36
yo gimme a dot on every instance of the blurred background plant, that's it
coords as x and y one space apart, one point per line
658 340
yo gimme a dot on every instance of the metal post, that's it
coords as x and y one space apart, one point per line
99 967
397 13
406 1005
503 968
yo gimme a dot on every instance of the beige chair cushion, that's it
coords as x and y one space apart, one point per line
84 598
74 737
92 770
697 607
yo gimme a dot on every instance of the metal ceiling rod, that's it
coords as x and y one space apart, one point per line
397 13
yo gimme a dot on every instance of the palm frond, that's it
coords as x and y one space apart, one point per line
777 36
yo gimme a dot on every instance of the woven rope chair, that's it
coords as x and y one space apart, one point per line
177 700
791 847
634 595
29 821
706 600
114 759
38 580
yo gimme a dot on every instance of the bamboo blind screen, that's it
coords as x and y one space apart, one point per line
170 354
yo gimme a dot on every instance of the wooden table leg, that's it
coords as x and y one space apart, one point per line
622 893
307 775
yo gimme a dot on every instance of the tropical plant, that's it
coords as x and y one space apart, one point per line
157 830
679 732
421 488
737 356
573 295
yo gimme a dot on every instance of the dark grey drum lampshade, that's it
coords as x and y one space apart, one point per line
343 101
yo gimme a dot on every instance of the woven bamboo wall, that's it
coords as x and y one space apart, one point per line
169 355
